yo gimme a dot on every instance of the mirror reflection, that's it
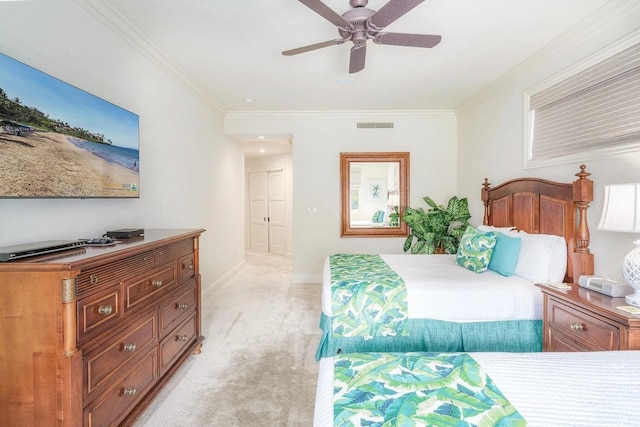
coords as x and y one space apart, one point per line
374 193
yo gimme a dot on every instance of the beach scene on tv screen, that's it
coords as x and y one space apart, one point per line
59 141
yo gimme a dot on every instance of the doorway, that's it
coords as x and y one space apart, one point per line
267 231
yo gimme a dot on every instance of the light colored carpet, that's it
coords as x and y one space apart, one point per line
257 366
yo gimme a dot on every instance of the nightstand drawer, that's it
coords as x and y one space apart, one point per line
587 330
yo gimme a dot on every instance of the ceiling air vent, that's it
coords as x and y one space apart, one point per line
375 125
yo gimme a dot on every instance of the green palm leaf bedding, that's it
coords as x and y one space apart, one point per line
368 298
417 389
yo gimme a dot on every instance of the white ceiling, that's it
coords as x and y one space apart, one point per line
231 50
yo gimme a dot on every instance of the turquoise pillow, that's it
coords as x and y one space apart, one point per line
475 250
505 255
378 216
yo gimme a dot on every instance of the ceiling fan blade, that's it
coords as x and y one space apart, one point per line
312 47
356 61
326 12
402 39
390 12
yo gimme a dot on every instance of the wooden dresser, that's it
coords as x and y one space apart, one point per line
90 336
580 319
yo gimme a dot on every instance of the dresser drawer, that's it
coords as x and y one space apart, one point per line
147 289
112 273
111 407
172 346
98 312
105 361
186 268
178 308
174 251
587 330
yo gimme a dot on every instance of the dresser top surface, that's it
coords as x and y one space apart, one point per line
76 257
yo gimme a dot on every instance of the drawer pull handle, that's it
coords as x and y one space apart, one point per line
182 338
156 283
577 326
93 279
182 306
188 267
129 347
105 310
129 391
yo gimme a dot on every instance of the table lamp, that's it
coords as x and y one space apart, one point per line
621 212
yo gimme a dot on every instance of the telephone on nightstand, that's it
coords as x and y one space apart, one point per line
605 286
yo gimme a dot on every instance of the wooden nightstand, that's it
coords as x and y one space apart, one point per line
579 319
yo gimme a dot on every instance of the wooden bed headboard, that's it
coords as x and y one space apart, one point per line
539 206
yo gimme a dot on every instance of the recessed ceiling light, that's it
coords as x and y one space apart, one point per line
262 150
248 100
260 136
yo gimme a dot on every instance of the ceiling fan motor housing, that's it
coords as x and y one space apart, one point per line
358 19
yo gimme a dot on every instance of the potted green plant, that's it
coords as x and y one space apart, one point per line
437 230
394 218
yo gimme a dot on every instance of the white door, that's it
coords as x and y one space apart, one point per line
267 211
258 231
276 217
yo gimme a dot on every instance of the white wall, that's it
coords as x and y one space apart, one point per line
284 161
318 139
490 130
190 173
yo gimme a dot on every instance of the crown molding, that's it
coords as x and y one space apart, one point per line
113 20
341 114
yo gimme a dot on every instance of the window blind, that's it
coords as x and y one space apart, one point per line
598 107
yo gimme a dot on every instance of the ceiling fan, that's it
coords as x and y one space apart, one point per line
361 24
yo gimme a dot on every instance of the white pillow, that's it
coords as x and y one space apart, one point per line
542 258
558 267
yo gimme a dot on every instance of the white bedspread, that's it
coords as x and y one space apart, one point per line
589 389
438 288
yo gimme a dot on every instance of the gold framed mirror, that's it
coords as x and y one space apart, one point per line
375 188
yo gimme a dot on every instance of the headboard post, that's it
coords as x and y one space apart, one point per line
582 195
485 201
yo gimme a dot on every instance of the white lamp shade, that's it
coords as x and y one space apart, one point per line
394 198
621 209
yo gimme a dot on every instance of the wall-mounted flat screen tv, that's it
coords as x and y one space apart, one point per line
58 141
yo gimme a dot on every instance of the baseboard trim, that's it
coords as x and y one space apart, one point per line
211 288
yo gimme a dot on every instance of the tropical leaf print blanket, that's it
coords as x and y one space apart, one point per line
369 299
417 389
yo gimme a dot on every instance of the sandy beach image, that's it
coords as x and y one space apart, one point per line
47 164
